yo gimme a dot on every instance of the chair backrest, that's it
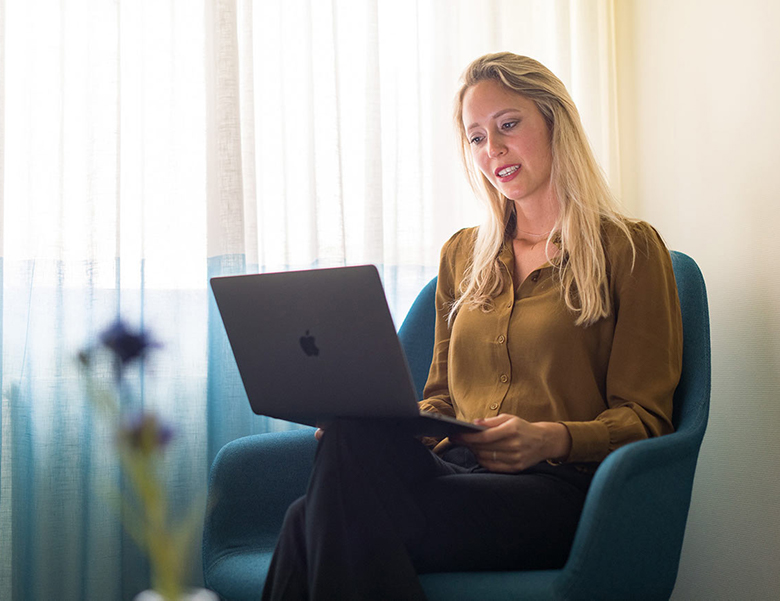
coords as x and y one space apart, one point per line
416 335
630 535
692 397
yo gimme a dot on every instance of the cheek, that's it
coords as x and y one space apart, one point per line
542 149
481 162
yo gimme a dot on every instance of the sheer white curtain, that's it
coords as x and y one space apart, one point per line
148 144
104 215
334 121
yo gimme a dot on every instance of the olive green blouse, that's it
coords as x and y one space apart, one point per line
609 383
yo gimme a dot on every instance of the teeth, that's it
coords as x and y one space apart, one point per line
508 171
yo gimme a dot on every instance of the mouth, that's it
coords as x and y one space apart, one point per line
507 171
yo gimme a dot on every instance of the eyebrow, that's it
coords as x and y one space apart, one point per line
496 116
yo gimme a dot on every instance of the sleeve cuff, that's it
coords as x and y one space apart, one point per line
437 406
589 441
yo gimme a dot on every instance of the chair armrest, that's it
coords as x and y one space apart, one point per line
252 482
633 522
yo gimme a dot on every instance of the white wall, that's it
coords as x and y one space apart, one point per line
699 106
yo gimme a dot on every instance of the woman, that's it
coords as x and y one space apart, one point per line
558 328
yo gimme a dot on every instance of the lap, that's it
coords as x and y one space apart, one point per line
487 521
463 516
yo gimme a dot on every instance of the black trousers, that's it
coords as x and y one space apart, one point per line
381 508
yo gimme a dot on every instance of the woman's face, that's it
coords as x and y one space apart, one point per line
509 141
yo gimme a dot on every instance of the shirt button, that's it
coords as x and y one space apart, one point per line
501 339
504 378
535 277
494 406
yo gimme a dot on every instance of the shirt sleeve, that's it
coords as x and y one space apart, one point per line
436 394
646 357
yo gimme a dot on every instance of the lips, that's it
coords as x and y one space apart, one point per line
506 172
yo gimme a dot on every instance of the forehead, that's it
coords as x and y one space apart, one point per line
486 98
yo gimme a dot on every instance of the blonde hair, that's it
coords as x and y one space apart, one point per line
584 198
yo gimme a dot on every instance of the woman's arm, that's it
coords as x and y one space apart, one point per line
436 394
646 357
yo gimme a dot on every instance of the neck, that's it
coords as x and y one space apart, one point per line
522 234
535 220
532 229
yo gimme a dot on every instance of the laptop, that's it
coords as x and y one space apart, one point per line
319 344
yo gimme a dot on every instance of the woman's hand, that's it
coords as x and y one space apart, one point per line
318 433
511 444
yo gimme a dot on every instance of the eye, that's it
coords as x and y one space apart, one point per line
509 124
475 140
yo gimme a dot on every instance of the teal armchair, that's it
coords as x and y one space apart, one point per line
630 535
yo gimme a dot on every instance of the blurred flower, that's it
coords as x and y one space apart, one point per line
141 438
122 343
145 433
85 357
125 344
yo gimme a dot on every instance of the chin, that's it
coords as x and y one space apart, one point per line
514 196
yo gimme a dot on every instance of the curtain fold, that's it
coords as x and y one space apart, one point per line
149 145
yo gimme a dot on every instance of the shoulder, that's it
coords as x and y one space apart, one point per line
459 249
636 239
636 253
456 255
461 242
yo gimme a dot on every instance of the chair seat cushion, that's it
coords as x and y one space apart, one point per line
496 586
240 576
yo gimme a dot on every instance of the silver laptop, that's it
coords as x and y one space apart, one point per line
319 344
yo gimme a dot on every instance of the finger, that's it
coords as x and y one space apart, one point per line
485 422
485 458
505 462
495 461
501 430
496 420
477 439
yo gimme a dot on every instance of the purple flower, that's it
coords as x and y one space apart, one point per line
126 345
146 433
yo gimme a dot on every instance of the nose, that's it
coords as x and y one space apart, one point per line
495 147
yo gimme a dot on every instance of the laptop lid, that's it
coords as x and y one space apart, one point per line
317 344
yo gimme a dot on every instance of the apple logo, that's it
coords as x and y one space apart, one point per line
309 345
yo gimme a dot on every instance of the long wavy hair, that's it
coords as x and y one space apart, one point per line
584 198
